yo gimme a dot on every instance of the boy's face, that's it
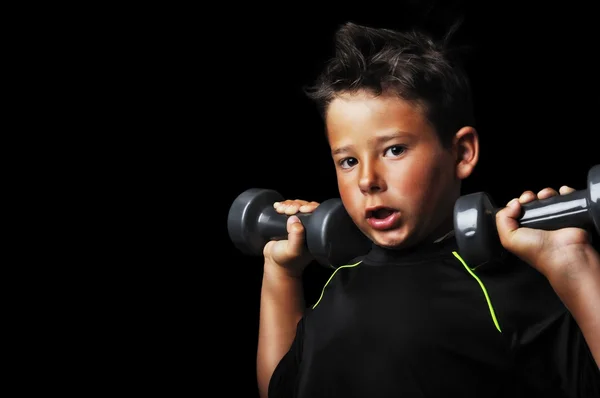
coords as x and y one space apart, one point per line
388 157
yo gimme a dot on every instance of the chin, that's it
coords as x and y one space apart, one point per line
389 239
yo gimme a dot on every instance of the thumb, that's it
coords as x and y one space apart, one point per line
295 231
506 220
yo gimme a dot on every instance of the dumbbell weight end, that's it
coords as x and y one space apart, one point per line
475 217
475 228
252 221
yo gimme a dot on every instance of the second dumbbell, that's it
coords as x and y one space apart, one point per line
475 218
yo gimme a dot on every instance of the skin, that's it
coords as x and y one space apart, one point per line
411 173
565 257
386 153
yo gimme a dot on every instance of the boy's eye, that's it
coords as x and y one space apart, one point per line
395 150
348 162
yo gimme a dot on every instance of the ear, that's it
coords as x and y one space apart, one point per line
466 150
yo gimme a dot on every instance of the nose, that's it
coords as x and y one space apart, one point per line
371 180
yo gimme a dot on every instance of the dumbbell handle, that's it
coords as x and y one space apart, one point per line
272 225
556 212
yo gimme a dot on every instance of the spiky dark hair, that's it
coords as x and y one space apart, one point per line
411 64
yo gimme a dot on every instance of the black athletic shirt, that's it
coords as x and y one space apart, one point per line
421 323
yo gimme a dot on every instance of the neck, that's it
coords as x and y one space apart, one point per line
443 230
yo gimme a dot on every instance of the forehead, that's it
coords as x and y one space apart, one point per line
365 114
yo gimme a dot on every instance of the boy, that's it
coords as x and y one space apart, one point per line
410 318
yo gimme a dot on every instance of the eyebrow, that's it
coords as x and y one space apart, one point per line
381 139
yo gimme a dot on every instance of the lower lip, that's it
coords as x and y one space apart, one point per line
384 223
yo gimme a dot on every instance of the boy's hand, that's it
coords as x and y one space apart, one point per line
556 254
290 255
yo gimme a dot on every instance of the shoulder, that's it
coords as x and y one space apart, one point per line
524 297
512 272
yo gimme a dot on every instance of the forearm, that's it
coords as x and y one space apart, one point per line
281 307
581 295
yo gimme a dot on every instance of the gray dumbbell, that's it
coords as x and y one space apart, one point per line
331 236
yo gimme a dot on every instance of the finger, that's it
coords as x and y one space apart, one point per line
289 202
280 207
546 193
291 209
506 219
295 231
527 196
308 207
288 207
298 202
564 190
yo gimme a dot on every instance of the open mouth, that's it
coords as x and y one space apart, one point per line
383 218
380 213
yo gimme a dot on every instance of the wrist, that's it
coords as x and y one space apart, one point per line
280 274
582 271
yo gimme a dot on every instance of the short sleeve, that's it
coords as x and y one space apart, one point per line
283 381
556 350
548 347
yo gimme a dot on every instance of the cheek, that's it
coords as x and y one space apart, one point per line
428 186
416 185
351 197
344 184
407 180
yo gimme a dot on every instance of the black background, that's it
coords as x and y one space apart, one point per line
240 120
